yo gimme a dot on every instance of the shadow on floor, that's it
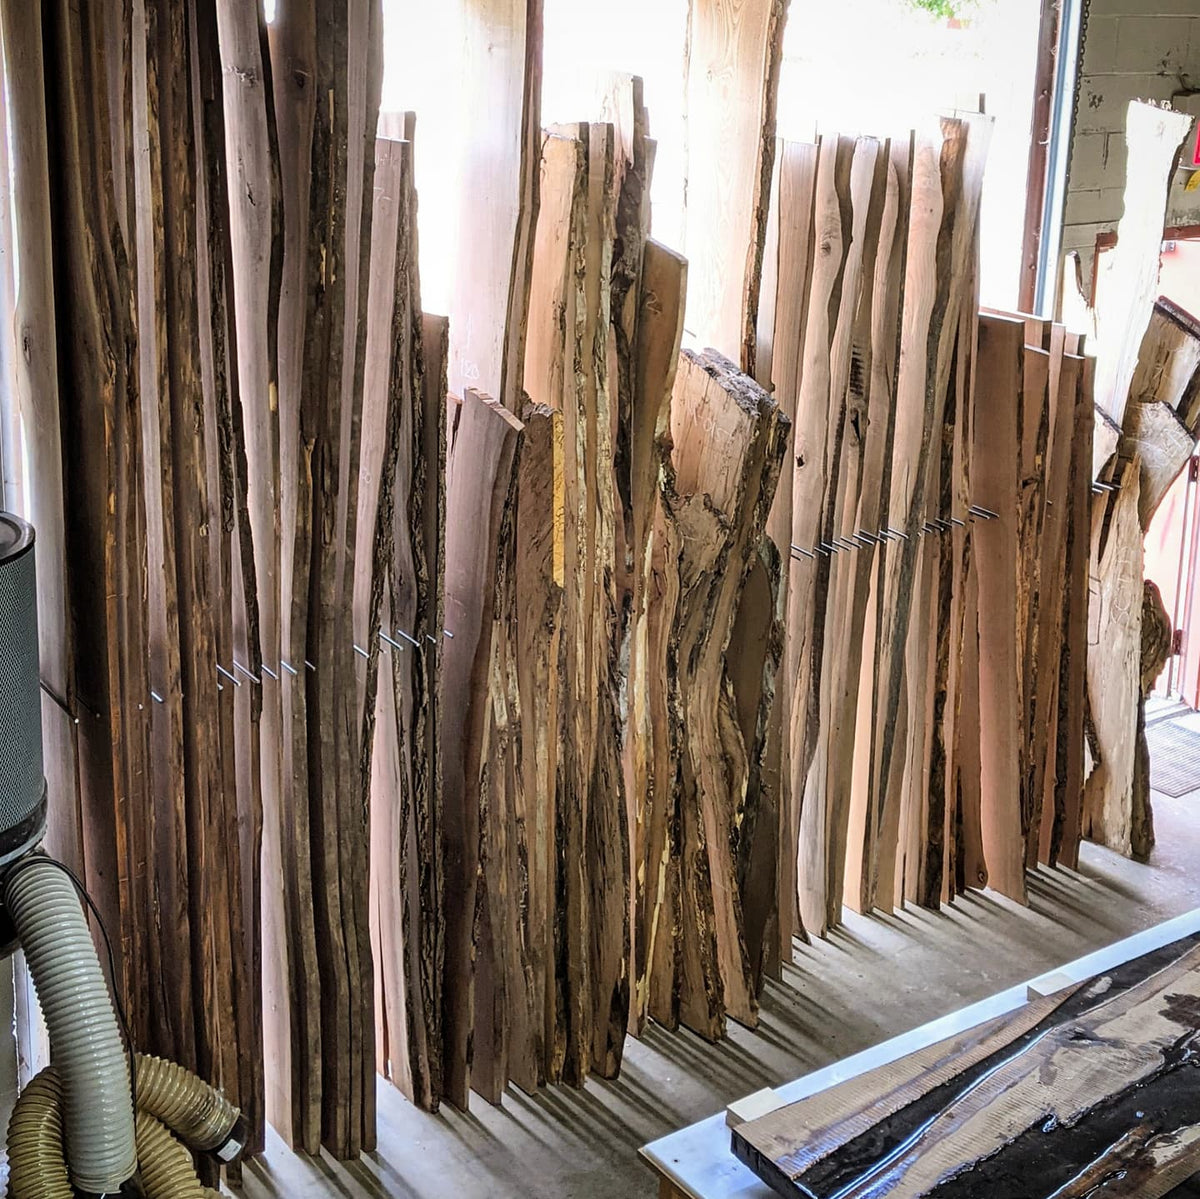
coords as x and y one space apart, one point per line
869 980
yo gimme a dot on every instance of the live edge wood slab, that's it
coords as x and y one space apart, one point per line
1090 1090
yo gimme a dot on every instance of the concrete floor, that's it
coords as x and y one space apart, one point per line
870 980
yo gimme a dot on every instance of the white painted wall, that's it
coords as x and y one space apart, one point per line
1134 50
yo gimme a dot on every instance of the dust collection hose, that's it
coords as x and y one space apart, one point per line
170 1100
37 1165
85 1043
166 1166
198 1114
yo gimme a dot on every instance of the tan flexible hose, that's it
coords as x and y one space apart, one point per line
165 1165
199 1114
167 1095
37 1165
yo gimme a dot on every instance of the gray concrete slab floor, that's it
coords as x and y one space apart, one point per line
871 979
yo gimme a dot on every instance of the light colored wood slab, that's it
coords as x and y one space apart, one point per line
996 488
731 83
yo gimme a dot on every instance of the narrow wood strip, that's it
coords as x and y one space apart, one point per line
478 485
539 577
1114 665
793 207
886 308
996 488
650 743
168 830
1073 669
731 85
810 467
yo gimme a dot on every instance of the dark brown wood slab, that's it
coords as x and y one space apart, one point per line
1087 1086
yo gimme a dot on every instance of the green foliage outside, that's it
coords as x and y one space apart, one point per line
945 9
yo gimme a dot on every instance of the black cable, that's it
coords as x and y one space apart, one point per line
34 859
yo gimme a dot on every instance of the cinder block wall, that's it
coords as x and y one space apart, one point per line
1135 50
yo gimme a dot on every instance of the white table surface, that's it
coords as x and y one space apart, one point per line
698 1159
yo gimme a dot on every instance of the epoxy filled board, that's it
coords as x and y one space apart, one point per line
1088 1092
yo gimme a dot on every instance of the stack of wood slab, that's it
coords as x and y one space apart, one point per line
326 111
449 697
127 418
926 729
233 416
595 760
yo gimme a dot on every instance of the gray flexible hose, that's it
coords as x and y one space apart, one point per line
85 1043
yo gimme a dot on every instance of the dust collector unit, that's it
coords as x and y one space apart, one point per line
22 787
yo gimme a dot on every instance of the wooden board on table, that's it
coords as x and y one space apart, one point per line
731 88
975 1115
